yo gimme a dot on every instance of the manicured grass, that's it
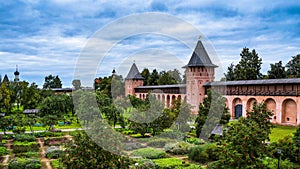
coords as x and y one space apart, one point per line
279 132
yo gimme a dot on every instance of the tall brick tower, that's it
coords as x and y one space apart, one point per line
199 70
133 80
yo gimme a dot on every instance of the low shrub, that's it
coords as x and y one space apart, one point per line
150 153
145 164
158 142
28 154
3 151
195 141
54 152
57 164
20 147
169 163
25 137
178 148
24 163
204 153
192 166
271 163
8 136
19 130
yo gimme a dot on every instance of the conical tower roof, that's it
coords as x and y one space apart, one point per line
134 73
200 57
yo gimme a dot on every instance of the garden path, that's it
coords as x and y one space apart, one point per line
45 162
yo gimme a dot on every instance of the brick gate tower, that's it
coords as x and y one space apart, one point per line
199 70
133 80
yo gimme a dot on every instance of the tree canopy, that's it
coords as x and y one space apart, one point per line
52 82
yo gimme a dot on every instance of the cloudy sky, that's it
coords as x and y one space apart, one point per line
48 37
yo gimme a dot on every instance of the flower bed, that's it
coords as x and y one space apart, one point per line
20 163
55 141
20 147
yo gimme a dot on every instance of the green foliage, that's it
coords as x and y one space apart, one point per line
25 137
150 153
229 76
271 163
24 163
244 144
54 141
195 141
169 163
293 67
172 134
48 134
3 151
20 147
211 112
178 148
145 164
204 153
56 163
296 138
277 71
52 82
84 152
28 154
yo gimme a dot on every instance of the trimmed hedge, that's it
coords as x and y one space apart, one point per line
169 163
150 153
48 134
179 148
204 153
25 137
24 163
158 142
28 154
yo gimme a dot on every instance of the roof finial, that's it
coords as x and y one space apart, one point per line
133 61
199 37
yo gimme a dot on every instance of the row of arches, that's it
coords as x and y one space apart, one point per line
167 99
285 110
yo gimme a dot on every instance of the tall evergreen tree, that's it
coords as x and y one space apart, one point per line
52 82
249 66
293 67
146 74
229 76
277 71
153 78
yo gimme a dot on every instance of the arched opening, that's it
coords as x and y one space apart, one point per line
173 100
250 103
271 106
163 99
289 112
158 97
168 100
179 98
237 108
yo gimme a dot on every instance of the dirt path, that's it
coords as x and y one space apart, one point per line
45 162
8 145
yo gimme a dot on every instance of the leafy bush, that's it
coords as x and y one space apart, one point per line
169 163
192 166
19 130
150 153
8 136
204 153
172 134
24 163
54 152
57 164
25 137
195 141
145 164
48 134
28 154
158 142
178 148
271 163
3 151
20 147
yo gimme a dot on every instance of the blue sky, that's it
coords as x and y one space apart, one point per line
47 37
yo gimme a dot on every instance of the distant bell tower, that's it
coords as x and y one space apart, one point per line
133 80
17 73
199 71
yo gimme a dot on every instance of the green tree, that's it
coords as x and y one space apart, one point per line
249 66
211 112
277 71
76 84
176 75
293 67
153 78
146 74
52 82
229 76
5 98
244 144
296 138
166 78
85 153
30 96
53 108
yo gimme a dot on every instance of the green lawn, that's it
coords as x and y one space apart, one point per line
279 132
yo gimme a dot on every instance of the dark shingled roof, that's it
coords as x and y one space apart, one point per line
134 73
254 82
200 57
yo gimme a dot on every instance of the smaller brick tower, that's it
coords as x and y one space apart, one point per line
199 71
133 80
